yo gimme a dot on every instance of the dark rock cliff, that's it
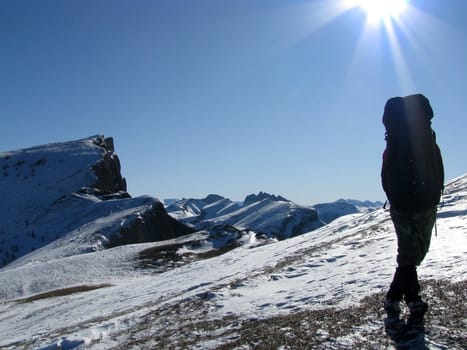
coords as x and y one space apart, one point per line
108 170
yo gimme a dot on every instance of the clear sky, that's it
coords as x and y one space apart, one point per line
232 96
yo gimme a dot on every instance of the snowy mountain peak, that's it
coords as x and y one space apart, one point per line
211 198
252 198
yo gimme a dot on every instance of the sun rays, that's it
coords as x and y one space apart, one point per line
368 40
375 44
385 25
380 10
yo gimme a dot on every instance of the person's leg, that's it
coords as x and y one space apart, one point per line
411 289
405 282
408 247
422 227
394 297
396 290
413 238
404 285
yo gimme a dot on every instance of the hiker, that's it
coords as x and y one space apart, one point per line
412 176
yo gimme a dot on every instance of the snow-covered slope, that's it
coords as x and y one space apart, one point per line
71 189
109 300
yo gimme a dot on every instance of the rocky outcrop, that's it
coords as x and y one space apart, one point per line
108 170
151 225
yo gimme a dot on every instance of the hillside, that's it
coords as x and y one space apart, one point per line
73 189
320 290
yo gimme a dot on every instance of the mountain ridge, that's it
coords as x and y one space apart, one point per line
216 209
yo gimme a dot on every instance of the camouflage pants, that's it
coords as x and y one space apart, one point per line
413 232
413 241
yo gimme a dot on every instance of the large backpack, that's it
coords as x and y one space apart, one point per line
412 173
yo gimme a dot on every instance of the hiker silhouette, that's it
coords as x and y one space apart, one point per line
412 176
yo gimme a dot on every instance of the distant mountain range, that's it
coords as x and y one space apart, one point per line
264 213
76 188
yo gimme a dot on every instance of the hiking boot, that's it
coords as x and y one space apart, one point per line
417 311
392 308
392 322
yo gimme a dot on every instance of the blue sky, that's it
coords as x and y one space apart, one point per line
232 97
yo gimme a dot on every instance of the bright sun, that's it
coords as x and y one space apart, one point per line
378 10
